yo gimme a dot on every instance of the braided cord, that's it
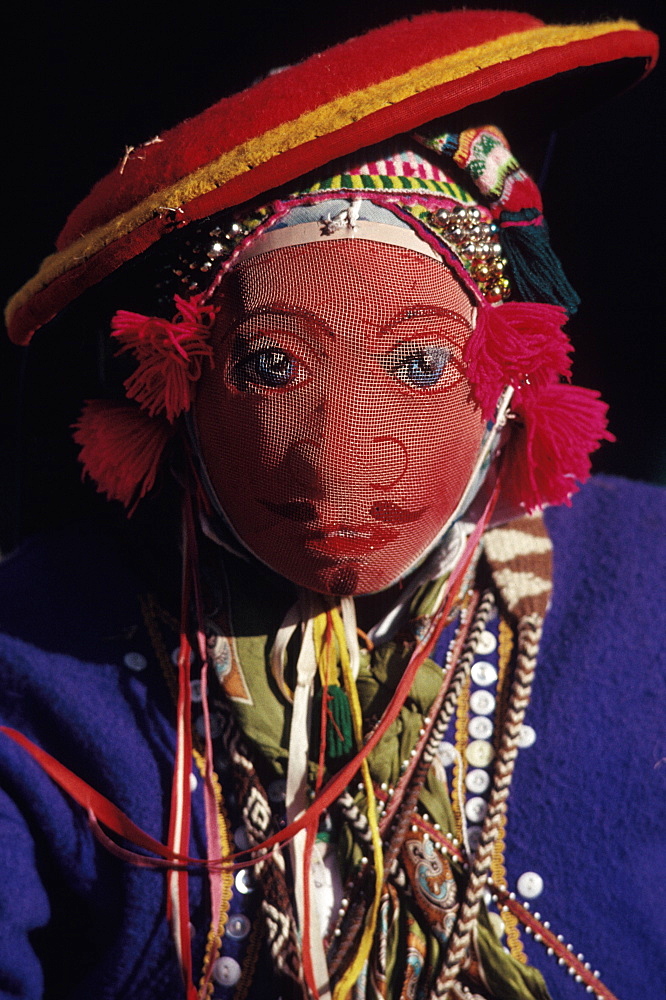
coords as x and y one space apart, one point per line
438 729
529 634
282 935
405 797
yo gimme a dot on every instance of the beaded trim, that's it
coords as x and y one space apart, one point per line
209 249
532 922
460 762
477 245
192 265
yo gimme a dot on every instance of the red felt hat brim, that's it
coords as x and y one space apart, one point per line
389 81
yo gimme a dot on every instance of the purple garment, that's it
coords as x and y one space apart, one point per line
587 811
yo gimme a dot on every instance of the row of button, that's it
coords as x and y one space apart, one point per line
480 753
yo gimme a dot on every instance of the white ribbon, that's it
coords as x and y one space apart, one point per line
296 799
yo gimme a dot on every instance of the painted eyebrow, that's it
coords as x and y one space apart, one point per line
288 312
428 312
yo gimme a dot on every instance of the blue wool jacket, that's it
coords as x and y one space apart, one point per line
587 808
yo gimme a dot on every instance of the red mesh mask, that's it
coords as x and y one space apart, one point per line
336 427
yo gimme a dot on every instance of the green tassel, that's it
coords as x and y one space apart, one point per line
339 736
536 273
339 733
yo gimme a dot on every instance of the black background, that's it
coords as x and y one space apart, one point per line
85 80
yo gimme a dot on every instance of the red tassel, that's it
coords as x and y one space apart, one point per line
513 344
549 453
169 354
121 448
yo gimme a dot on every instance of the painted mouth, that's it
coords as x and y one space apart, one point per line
342 539
348 540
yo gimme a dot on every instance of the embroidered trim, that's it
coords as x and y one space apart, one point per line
460 762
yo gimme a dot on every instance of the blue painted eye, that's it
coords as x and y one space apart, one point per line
422 368
270 366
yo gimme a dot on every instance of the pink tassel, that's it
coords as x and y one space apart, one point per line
549 454
169 354
513 344
121 449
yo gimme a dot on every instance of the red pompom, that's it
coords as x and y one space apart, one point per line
121 448
548 453
517 343
169 354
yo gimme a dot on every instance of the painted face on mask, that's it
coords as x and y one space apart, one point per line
336 426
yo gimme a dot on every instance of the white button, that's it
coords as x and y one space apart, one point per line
475 809
245 881
241 839
479 753
526 737
480 727
487 643
530 885
497 925
483 673
226 971
135 661
482 703
277 790
238 927
477 781
195 690
193 781
446 753
473 837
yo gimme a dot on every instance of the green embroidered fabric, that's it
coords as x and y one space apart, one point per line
416 919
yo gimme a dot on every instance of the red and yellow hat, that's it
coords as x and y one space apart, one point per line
389 81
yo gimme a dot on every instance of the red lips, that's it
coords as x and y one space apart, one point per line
348 540
342 539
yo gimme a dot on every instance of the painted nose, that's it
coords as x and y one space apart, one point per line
333 462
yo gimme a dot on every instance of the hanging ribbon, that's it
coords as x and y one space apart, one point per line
174 853
314 959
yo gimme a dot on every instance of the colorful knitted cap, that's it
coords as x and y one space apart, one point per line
367 90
